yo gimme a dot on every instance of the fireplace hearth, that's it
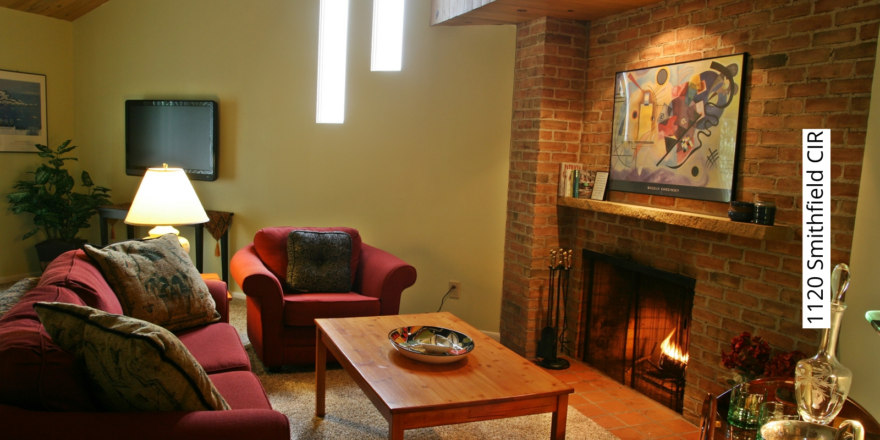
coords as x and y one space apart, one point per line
637 325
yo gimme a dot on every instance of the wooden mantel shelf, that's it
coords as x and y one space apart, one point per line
686 219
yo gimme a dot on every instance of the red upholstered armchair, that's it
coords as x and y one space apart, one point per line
281 324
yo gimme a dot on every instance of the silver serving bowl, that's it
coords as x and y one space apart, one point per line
798 430
434 345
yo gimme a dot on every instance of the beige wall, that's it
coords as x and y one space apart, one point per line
419 166
859 344
33 44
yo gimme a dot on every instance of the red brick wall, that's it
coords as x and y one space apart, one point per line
811 67
548 102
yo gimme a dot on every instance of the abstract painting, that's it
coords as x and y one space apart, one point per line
675 129
22 111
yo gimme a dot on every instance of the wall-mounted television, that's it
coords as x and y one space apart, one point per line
183 134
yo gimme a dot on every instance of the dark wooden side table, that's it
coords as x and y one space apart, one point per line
851 409
120 211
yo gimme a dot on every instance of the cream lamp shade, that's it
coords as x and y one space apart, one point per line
166 198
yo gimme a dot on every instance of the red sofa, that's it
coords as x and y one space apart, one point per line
280 324
43 394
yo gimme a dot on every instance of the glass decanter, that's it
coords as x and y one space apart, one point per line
821 382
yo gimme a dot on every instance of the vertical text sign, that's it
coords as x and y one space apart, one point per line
816 228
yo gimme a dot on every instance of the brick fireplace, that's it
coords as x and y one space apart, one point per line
811 66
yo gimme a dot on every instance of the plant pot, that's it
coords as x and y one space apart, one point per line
51 249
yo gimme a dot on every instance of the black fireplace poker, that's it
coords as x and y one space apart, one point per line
552 337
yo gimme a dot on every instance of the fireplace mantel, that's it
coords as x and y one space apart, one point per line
679 218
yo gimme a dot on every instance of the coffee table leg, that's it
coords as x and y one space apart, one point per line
395 429
320 372
557 427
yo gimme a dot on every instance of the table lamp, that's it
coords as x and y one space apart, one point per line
166 199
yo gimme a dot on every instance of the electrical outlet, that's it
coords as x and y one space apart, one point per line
456 289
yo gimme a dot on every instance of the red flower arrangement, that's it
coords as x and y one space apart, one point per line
783 364
750 358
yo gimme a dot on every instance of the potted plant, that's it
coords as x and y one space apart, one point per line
58 211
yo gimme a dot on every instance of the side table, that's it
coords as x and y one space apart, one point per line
851 410
120 211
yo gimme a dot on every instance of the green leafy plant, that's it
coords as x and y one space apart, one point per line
58 211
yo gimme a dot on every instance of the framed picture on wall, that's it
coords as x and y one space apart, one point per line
22 111
675 129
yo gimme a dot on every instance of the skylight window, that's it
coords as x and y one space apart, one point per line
387 35
332 46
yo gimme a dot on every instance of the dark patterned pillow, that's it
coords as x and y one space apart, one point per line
11 296
156 281
319 261
132 364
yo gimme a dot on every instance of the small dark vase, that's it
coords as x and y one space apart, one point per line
741 211
51 249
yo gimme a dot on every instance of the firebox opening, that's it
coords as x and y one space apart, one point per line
636 325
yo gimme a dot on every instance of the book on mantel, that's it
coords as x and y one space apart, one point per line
566 178
583 184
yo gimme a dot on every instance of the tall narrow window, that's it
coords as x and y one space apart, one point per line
387 35
332 40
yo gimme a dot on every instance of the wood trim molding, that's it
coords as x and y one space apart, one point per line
480 12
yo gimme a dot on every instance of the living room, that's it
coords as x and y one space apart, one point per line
423 165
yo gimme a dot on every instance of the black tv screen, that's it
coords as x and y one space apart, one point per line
182 134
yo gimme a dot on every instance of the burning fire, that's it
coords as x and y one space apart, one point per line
673 351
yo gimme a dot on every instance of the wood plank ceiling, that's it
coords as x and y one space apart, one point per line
444 12
61 9
476 12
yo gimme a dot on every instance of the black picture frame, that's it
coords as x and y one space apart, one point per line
23 112
675 128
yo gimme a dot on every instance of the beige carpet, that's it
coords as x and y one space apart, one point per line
350 415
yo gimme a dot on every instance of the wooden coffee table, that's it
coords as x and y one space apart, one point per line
491 383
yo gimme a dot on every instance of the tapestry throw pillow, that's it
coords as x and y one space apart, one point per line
132 365
319 261
11 296
156 281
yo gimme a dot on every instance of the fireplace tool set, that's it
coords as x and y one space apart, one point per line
552 337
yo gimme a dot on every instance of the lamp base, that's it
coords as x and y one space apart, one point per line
159 231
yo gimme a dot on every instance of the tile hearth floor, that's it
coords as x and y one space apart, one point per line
621 410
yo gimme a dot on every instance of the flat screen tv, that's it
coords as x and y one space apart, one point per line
183 134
